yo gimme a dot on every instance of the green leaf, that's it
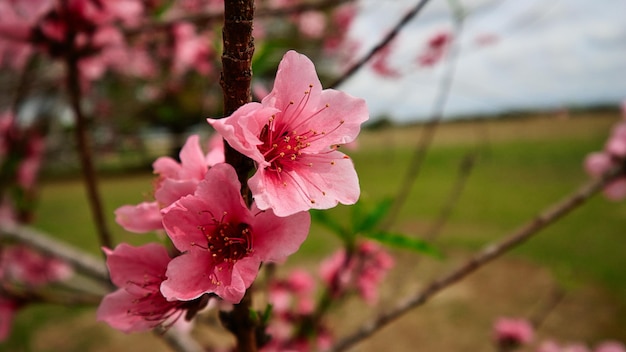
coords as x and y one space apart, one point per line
373 218
404 242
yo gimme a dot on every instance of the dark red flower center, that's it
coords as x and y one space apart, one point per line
228 242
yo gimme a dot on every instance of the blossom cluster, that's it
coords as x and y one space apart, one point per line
21 266
219 241
613 155
297 323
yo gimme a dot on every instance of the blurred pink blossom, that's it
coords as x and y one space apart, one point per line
312 24
512 332
435 49
21 264
363 271
614 154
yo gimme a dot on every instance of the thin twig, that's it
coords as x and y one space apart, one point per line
489 253
79 260
466 167
384 42
428 132
82 144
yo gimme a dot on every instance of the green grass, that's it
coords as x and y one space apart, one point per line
522 166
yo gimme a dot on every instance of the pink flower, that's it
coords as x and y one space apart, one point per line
512 332
190 50
614 154
293 135
298 289
22 264
175 181
138 305
364 271
223 241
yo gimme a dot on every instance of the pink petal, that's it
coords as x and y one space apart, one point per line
114 310
270 230
242 128
140 218
172 190
192 159
130 264
330 180
189 276
296 73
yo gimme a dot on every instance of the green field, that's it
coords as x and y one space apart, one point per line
522 165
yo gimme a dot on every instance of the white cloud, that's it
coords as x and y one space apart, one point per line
547 55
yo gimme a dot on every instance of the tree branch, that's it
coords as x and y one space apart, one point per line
82 144
79 260
384 42
235 81
489 253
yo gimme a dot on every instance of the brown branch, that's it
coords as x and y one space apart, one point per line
235 81
384 42
79 260
489 253
82 144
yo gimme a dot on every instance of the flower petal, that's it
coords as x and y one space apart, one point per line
140 218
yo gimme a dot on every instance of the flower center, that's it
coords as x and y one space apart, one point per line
286 134
228 242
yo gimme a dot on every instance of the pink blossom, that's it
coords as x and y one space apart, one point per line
380 63
294 292
610 346
312 24
363 271
598 163
190 50
137 304
513 332
293 135
175 181
435 49
21 264
223 241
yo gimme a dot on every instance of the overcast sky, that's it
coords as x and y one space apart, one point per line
546 54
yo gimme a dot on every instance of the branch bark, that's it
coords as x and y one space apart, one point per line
79 260
235 81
